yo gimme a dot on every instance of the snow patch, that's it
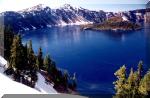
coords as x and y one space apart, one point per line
3 62
43 87
7 86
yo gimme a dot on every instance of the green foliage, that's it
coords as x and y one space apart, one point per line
139 70
8 39
39 60
135 85
121 79
24 65
47 63
144 87
130 82
31 57
22 62
17 53
114 23
25 58
114 19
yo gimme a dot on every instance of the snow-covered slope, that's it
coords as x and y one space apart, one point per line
43 87
3 62
8 86
41 16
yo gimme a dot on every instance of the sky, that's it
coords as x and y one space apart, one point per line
108 5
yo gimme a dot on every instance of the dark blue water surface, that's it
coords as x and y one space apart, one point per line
93 55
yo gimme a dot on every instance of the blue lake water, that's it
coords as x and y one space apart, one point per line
93 55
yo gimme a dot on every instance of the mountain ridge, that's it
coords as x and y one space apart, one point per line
41 16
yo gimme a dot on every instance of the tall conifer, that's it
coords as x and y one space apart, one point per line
40 59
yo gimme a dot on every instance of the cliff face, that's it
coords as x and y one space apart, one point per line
42 16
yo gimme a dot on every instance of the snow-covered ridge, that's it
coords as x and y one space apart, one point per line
34 8
41 16
8 86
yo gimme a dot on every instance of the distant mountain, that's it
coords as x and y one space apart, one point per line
41 16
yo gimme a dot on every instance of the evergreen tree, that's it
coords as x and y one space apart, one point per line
31 65
65 79
121 80
40 59
25 57
37 64
55 74
53 69
47 63
8 40
31 56
34 77
130 83
136 84
140 69
17 54
16 58
144 87
74 81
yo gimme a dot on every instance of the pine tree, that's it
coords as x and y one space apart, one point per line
130 82
31 64
121 80
8 40
55 73
17 53
140 69
34 77
47 63
65 79
136 86
53 69
144 87
25 59
16 58
74 81
37 64
31 56
40 59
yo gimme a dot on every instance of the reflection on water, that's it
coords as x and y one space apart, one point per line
147 31
93 55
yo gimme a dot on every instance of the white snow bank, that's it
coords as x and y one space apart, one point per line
3 62
7 86
43 87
